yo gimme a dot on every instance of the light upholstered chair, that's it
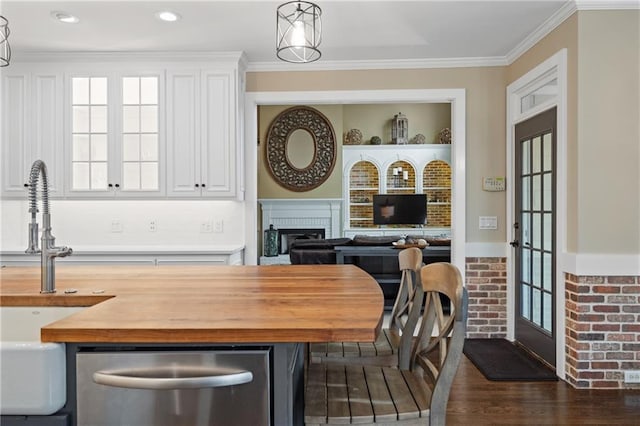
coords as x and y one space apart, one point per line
392 347
339 394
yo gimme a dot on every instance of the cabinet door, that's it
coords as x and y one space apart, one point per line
183 134
15 88
218 134
141 156
47 130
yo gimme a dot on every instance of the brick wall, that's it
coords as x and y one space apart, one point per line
437 174
602 330
363 174
487 288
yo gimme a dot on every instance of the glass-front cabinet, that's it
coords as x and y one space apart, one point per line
396 169
114 137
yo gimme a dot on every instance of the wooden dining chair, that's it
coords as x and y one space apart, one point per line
339 394
392 347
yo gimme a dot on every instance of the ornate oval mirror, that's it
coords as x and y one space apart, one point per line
301 148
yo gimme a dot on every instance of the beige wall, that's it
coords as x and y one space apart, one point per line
603 134
565 36
485 124
371 120
268 187
609 132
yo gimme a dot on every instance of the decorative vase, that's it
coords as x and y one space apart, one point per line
376 140
271 242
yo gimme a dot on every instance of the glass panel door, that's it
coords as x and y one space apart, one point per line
535 230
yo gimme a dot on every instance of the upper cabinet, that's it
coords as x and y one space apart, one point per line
114 143
32 128
202 129
117 129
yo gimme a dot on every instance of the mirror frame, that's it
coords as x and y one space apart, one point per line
324 144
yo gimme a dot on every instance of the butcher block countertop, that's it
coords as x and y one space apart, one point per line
204 304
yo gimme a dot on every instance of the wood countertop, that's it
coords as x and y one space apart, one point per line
204 304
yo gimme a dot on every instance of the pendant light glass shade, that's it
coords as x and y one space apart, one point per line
299 32
5 49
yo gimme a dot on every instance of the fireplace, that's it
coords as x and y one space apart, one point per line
299 218
287 236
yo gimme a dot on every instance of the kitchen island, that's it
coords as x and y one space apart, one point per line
274 308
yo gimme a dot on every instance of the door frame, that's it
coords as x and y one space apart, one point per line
455 97
553 67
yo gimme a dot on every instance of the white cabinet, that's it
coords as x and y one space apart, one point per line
31 128
131 256
202 131
114 142
102 135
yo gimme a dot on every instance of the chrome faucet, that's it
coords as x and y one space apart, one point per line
49 252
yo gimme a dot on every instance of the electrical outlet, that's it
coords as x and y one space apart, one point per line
116 226
153 225
206 226
632 376
218 226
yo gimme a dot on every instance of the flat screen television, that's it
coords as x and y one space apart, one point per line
396 209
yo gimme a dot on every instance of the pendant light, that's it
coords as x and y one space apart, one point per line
299 32
5 49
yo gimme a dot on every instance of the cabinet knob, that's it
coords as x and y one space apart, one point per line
203 185
110 185
117 185
197 185
26 185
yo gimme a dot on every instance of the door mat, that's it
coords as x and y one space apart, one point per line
499 359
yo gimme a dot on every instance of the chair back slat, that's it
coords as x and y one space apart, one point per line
410 262
438 350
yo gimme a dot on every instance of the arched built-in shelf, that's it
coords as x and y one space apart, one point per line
436 178
359 163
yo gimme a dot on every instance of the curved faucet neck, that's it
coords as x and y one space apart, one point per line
38 168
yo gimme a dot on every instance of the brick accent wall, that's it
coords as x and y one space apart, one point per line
602 330
487 288
363 174
436 178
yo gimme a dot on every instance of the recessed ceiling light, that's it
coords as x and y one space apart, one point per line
65 17
167 16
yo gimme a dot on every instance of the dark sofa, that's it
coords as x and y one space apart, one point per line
321 251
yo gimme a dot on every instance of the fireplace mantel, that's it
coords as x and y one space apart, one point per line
302 213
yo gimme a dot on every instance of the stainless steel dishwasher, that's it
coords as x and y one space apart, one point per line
173 388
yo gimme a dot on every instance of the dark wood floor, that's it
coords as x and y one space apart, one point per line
475 400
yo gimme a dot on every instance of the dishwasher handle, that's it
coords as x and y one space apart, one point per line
172 378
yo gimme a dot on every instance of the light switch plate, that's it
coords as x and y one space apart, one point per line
488 222
494 184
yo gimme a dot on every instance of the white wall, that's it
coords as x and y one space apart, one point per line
87 223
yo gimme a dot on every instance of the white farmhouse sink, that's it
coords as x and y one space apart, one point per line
32 373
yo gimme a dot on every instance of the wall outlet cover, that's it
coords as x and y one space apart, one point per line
632 376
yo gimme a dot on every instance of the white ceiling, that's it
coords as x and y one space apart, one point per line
352 30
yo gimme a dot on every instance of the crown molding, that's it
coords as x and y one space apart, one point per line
380 64
541 32
128 56
607 4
